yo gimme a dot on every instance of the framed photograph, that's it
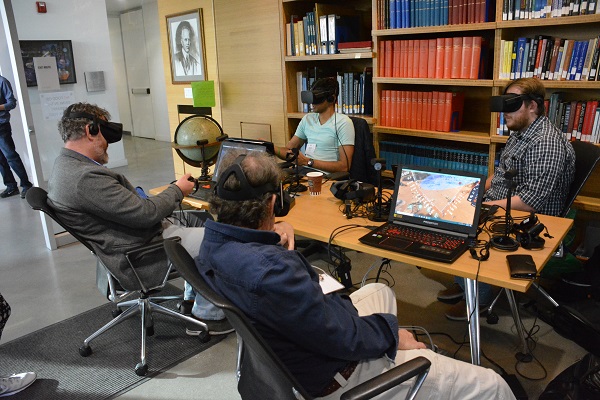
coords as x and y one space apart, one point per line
186 46
62 50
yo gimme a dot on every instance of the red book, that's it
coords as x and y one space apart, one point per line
475 58
460 8
403 60
539 58
396 58
446 111
383 108
576 120
456 57
428 100
447 58
452 12
355 45
393 104
389 58
467 54
412 110
470 11
439 58
431 59
411 59
399 109
456 111
423 57
404 108
419 111
464 11
435 98
381 58
588 120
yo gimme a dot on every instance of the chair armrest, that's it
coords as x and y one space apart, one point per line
388 379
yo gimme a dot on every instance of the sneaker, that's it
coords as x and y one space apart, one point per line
215 327
10 385
186 306
458 312
24 191
9 192
451 295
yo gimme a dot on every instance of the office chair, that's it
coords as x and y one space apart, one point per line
149 282
260 372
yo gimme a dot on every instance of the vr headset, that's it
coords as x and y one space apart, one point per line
317 95
112 131
511 102
353 190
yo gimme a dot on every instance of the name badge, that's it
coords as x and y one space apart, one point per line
310 149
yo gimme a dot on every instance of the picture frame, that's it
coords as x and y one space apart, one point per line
186 46
62 50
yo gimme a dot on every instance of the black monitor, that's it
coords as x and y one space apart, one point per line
245 145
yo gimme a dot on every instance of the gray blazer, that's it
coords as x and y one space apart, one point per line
105 209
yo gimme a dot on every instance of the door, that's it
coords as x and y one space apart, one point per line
138 76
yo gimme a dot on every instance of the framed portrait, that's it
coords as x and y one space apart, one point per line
186 46
62 50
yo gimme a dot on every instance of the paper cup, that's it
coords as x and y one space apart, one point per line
315 179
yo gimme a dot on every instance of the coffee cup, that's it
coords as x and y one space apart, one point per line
315 180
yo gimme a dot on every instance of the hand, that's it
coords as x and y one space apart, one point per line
406 341
302 159
286 232
185 184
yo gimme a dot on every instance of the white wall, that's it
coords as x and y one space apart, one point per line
85 23
116 44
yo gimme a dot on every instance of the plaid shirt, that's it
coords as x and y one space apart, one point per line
545 164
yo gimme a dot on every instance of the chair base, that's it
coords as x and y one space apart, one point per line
143 306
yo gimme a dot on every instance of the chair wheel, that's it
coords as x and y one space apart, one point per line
141 369
85 351
116 313
492 318
204 337
150 331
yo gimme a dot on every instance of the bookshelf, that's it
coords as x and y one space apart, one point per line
478 132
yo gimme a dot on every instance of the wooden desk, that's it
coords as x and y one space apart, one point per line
315 217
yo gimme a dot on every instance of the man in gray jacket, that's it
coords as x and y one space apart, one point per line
105 209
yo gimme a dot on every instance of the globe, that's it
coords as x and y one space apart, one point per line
193 130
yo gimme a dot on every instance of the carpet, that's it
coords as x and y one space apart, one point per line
53 353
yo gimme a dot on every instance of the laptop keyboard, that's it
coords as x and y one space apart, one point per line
430 240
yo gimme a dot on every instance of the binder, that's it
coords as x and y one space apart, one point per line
331 34
323 31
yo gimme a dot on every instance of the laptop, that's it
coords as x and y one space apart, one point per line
206 189
434 213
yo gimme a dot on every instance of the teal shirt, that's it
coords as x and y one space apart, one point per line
324 136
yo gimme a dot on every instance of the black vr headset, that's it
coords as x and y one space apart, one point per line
112 131
246 191
323 89
512 102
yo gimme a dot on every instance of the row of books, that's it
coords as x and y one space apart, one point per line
534 9
431 111
314 34
355 91
550 58
394 14
397 153
460 57
578 119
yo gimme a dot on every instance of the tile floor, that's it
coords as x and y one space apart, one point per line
33 277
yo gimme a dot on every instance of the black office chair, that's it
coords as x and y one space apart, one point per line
364 151
260 372
149 282
587 156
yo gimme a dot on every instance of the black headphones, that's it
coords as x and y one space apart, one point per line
112 131
480 250
353 189
247 192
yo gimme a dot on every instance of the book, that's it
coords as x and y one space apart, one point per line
466 59
520 57
475 57
447 58
593 43
381 58
594 64
588 121
455 71
567 59
365 44
396 58
554 58
431 62
439 58
581 60
456 111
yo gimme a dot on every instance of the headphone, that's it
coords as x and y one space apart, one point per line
480 250
111 131
353 189
248 192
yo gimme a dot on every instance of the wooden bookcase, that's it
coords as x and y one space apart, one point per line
479 125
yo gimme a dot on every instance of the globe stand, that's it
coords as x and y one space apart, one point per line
204 176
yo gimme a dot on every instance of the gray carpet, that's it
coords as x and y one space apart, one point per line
63 374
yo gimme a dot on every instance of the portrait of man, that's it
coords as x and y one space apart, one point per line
185 39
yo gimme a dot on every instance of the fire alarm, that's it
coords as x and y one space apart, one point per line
41 7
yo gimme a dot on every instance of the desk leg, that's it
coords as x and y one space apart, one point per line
525 356
473 310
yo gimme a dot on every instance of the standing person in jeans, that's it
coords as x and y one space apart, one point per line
9 158
12 384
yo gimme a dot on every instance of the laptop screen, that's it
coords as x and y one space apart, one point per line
245 145
436 197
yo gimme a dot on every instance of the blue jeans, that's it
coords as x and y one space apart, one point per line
9 158
486 294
